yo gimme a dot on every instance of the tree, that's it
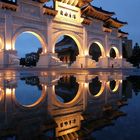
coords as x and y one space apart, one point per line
135 58
22 62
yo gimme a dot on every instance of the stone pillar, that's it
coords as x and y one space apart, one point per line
8 55
107 49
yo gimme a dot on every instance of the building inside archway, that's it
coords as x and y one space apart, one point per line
95 51
66 89
112 53
67 49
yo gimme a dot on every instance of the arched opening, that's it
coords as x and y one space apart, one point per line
29 47
29 92
66 89
67 49
96 87
114 53
96 50
114 85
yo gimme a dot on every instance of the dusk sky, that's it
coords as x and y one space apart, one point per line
125 11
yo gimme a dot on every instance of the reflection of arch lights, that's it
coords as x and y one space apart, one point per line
1 94
101 90
81 86
116 86
43 95
1 43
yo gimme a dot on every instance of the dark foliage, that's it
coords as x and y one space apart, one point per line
135 58
31 59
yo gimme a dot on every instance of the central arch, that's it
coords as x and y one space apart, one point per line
75 100
75 37
96 50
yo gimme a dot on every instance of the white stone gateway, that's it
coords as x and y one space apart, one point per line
84 23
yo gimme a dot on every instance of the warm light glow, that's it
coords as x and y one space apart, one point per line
45 87
8 91
101 91
121 81
116 86
86 85
8 46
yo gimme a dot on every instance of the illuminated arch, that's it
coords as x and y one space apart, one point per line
116 86
1 42
116 51
100 46
75 37
1 94
42 97
103 84
73 101
35 32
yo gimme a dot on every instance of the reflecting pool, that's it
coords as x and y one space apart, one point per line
65 106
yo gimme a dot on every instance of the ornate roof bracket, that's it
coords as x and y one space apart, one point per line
107 29
87 21
49 11
8 6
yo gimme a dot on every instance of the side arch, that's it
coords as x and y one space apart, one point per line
116 88
75 37
101 91
116 51
100 44
33 31
35 104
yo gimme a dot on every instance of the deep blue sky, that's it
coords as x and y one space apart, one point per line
126 10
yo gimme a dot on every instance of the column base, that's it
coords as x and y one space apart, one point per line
84 62
9 58
48 60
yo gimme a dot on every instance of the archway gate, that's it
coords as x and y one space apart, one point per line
48 24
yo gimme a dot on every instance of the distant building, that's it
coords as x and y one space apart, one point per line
67 50
127 47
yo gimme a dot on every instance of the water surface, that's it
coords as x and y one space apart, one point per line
48 105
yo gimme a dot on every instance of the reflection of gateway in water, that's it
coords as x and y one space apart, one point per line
69 117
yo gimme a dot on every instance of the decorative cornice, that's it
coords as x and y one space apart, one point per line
49 11
9 6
